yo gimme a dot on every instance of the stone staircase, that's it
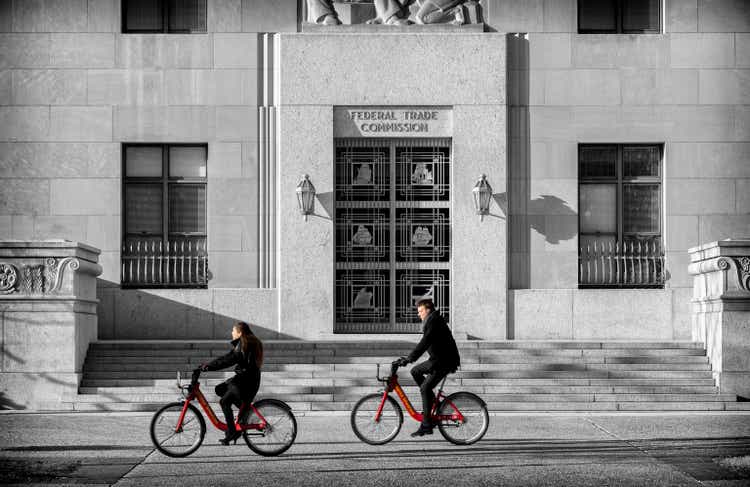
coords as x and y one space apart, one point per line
332 376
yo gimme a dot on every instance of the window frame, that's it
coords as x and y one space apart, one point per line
166 181
619 9
166 12
620 181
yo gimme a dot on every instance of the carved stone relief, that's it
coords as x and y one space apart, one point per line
743 268
8 278
35 278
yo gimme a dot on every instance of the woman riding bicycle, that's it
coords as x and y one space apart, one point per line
247 357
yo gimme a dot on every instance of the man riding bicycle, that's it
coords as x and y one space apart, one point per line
438 341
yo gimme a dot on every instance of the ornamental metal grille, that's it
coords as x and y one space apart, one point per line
422 235
363 172
392 232
413 285
363 235
422 172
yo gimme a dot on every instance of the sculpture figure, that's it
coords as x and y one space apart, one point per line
363 299
422 237
364 175
421 174
322 12
362 236
391 12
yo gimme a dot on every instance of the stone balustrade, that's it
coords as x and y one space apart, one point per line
721 310
47 317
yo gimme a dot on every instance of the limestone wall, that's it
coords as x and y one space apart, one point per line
688 88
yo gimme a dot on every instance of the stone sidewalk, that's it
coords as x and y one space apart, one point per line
519 449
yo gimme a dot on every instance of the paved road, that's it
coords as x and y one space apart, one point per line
536 450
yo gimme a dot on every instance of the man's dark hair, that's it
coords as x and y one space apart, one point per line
427 303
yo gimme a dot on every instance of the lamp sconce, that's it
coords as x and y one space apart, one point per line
482 193
306 196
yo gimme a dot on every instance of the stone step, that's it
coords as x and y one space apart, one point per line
95 359
164 345
302 407
370 368
347 397
484 375
393 351
453 383
361 390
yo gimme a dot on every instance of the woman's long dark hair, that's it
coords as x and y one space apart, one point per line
250 343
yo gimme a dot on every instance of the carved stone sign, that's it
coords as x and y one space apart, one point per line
392 122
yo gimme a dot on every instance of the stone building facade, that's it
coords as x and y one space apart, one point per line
521 97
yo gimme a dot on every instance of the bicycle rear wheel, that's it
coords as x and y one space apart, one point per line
475 422
367 428
177 443
280 430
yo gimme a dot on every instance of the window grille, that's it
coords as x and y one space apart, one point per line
620 229
164 216
392 232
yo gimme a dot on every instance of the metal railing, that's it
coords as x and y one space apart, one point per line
179 262
633 263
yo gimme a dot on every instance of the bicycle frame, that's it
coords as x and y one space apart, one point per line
195 393
393 385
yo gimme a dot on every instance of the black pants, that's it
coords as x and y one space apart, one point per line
235 391
427 375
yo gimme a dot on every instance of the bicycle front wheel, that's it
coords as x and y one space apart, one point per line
376 431
279 433
173 441
475 421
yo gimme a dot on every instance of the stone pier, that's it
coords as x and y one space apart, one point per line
47 319
721 310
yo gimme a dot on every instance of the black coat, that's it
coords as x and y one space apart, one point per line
438 341
247 372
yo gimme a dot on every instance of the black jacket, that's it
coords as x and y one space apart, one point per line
438 341
244 362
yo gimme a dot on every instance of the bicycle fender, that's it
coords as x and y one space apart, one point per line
481 401
277 402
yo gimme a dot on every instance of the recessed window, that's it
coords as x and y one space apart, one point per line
619 16
164 215
164 16
619 221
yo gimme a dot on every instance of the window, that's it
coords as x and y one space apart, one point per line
164 215
619 218
169 16
392 232
619 16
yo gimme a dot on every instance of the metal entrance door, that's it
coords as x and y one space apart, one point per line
392 232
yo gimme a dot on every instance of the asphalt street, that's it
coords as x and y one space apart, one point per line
535 450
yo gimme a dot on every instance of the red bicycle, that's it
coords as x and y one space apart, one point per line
177 430
461 417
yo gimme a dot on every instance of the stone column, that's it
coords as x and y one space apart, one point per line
721 310
47 319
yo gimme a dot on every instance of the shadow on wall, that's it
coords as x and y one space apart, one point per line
135 314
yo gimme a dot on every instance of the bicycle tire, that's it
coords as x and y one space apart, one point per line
280 433
365 410
473 409
165 420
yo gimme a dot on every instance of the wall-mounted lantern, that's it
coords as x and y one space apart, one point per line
306 196
482 195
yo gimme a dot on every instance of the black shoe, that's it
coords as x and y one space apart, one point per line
423 430
230 438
